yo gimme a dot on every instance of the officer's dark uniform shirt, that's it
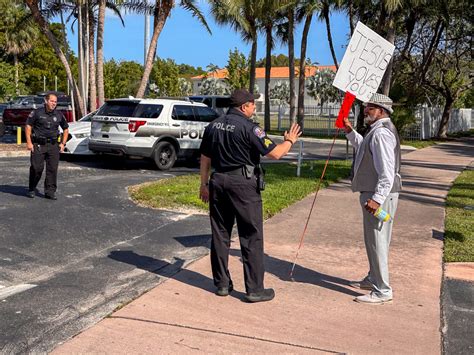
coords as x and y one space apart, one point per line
233 141
45 124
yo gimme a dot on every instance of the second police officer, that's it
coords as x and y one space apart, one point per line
42 140
232 145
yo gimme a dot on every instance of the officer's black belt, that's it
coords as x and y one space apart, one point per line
238 171
45 140
246 171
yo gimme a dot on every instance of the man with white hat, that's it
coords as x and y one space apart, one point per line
376 175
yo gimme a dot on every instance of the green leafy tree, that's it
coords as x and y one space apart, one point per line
42 61
7 81
238 74
213 86
188 71
281 93
19 35
320 87
280 60
165 75
121 78
185 87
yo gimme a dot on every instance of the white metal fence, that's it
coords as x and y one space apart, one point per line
428 120
320 120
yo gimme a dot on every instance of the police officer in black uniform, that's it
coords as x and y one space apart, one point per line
232 145
42 140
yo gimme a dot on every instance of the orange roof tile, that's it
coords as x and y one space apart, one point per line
275 72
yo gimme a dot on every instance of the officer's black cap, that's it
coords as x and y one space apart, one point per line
241 96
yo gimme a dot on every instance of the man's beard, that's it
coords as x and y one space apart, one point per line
368 120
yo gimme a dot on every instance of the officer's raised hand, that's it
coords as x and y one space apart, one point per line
293 134
291 137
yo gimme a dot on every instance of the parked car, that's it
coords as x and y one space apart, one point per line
2 126
160 129
79 133
219 103
17 112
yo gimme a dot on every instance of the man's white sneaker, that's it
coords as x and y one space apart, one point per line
365 284
372 298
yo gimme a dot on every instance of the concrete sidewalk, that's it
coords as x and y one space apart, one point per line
315 313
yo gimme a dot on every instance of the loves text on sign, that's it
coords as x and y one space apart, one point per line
364 63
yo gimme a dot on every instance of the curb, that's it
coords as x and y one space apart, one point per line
14 154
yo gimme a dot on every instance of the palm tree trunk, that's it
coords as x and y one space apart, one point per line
302 73
100 52
291 57
268 68
387 78
162 11
17 74
350 11
325 12
44 27
92 79
253 64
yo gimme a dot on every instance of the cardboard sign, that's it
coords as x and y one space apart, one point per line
364 63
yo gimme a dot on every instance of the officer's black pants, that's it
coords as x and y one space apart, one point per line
236 197
48 152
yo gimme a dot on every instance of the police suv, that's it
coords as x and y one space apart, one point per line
160 129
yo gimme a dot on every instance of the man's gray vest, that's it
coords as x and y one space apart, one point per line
363 175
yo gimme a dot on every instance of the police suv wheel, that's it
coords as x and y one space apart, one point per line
165 155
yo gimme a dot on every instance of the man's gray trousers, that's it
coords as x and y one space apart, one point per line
377 237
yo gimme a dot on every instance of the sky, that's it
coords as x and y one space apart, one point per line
185 40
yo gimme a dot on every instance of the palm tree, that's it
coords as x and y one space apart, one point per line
305 11
160 11
269 17
325 10
100 51
91 14
44 27
20 36
241 15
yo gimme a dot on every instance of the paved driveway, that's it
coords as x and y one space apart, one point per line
66 264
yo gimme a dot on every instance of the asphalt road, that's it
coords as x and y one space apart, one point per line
66 264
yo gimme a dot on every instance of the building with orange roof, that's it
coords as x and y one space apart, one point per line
277 74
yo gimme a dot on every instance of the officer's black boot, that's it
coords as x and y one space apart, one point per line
263 296
51 196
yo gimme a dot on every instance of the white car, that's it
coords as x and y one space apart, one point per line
159 129
79 133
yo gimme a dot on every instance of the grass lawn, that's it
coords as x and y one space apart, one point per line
283 188
459 223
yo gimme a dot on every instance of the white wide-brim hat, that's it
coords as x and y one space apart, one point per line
382 101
